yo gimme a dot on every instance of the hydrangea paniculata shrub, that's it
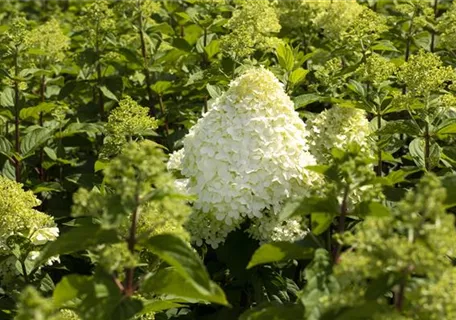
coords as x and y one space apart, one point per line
244 158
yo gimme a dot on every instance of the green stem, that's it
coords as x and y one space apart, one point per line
99 76
341 227
130 287
42 89
17 163
427 148
433 34
379 151
145 61
162 110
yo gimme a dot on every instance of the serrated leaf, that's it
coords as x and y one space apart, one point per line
108 94
33 140
279 251
305 99
160 87
5 146
214 91
169 282
7 97
187 265
298 75
34 112
77 239
212 48
285 56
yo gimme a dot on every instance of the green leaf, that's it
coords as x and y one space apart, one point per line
321 221
447 128
298 75
399 176
417 148
305 99
371 208
285 56
77 239
34 112
169 282
357 87
93 297
7 97
5 146
50 153
212 48
108 94
274 312
309 205
153 306
177 253
33 140
400 126
279 251
160 87
214 91
100 164
449 183
384 45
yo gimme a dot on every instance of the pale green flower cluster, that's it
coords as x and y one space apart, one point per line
447 28
19 219
424 74
33 306
376 69
244 157
98 19
299 13
251 26
132 177
417 239
126 122
49 39
338 127
350 22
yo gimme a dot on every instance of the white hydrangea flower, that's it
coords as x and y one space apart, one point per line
43 235
269 229
245 156
175 160
337 128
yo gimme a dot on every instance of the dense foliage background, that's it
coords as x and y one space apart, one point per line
347 217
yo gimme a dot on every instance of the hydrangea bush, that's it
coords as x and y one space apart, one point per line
227 159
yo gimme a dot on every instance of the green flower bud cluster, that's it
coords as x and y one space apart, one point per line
50 40
376 69
136 180
17 31
447 28
135 7
115 257
351 23
33 306
328 75
424 74
126 122
251 26
18 216
416 240
98 19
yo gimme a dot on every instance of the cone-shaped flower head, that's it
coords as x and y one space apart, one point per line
245 156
